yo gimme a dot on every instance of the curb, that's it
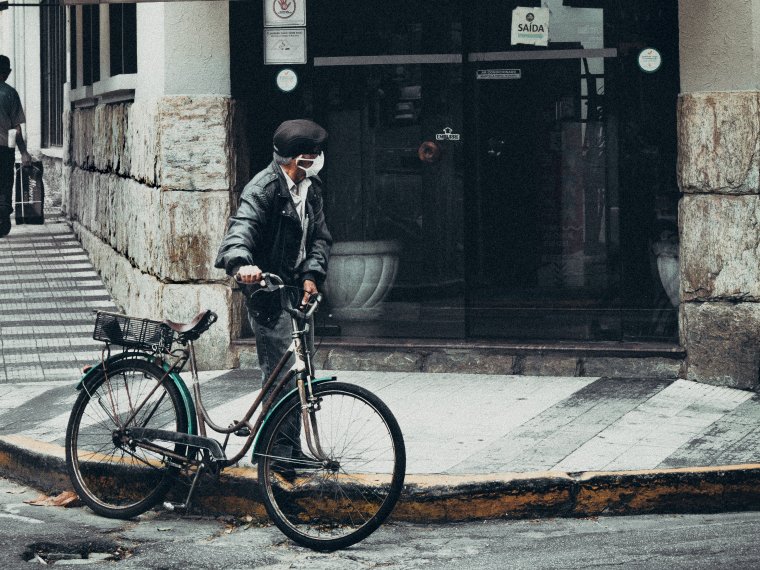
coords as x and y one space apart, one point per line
443 499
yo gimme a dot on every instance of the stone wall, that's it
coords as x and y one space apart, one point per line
719 219
148 191
51 177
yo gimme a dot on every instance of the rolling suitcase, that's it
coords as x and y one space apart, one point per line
29 194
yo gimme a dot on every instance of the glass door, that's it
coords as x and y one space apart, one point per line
388 89
545 216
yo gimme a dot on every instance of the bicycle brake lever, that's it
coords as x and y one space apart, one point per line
315 301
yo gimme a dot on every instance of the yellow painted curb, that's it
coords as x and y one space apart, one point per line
453 498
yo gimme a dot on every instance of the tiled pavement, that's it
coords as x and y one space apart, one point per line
48 292
478 424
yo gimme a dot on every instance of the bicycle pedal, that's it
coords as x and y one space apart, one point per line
174 506
243 432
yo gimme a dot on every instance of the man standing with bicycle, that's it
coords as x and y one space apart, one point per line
280 228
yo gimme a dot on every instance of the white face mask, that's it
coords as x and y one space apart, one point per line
316 164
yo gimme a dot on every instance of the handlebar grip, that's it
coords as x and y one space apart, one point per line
268 281
314 304
236 277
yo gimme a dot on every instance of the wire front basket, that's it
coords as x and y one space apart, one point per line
133 332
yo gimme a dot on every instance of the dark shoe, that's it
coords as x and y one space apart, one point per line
284 470
287 468
303 461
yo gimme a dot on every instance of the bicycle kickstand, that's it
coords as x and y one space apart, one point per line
169 506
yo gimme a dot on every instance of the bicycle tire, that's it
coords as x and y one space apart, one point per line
330 508
111 478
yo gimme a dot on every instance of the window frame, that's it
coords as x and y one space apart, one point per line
104 84
52 72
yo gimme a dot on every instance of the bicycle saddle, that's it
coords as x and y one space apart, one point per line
200 323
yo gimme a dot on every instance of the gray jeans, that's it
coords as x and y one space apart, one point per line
271 343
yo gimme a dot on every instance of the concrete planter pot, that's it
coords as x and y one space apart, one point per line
360 275
668 268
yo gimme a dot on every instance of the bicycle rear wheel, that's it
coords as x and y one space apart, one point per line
112 477
332 504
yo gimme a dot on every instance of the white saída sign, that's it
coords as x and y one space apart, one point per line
530 26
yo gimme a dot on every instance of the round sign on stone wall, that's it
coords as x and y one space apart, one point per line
650 60
287 80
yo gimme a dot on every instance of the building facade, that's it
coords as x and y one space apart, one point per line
556 186
34 39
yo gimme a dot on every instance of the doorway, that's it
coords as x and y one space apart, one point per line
567 214
545 262
524 191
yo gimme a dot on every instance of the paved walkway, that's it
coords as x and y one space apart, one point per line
48 292
476 424
454 425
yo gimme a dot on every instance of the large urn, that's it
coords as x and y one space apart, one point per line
360 276
667 266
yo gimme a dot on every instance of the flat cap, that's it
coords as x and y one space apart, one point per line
299 136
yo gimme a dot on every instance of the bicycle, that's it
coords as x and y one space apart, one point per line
331 456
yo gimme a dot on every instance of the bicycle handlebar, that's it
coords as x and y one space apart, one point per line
271 282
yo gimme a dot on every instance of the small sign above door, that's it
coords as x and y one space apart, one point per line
284 13
530 26
650 60
499 74
448 134
284 46
287 80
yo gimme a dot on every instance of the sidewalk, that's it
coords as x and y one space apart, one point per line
478 446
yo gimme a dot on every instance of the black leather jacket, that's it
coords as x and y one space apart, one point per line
266 231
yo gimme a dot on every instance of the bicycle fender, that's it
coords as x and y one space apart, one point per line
94 369
187 399
277 406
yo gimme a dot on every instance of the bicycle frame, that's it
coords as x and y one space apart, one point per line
198 416
302 369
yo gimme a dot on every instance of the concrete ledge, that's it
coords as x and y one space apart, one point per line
609 359
442 498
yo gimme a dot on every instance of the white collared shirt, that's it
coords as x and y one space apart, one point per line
298 193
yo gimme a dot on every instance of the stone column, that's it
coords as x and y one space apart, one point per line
719 175
150 179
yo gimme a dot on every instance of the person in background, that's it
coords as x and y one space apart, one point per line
11 118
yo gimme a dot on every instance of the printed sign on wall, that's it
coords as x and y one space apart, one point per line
287 80
650 60
530 26
284 46
499 74
284 13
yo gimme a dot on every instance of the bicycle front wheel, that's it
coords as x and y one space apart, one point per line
112 476
335 501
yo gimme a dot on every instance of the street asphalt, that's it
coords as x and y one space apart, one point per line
478 446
